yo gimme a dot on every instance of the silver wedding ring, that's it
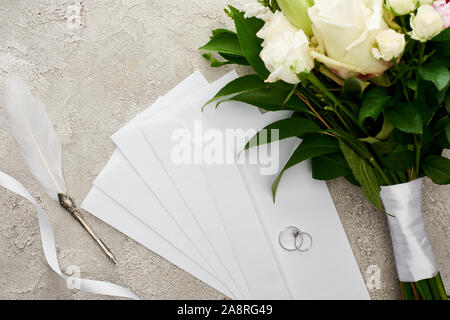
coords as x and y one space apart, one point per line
298 237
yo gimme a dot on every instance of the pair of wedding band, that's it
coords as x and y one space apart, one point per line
299 237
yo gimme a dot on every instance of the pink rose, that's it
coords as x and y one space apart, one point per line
443 8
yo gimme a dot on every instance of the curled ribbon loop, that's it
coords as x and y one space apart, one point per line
48 245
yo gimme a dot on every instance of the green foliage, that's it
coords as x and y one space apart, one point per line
250 44
437 169
331 166
385 147
354 143
352 89
224 42
373 104
283 129
443 36
364 174
272 4
437 74
231 59
447 102
399 161
447 132
392 129
214 62
405 117
271 99
242 84
313 145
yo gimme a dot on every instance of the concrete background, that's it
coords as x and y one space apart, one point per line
95 65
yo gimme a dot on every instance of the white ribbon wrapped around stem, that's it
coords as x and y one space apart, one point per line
414 256
48 245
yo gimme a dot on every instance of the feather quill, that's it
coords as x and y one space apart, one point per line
38 141
41 148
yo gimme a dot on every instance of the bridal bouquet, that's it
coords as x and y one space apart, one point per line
367 82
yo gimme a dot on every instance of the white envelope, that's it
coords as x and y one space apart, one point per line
328 271
118 162
206 235
121 183
105 208
232 201
185 88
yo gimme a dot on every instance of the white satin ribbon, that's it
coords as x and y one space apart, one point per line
414 256
48 244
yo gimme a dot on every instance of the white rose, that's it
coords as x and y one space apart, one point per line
346 31
285 50
402 7
389 45
426 1
254 8
426 24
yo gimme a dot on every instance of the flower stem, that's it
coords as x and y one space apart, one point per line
319 85
336 112
434 289
383 175
421 53
305 100
440 286
417 149
407 292
424 290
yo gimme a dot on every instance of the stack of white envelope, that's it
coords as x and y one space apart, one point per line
218 221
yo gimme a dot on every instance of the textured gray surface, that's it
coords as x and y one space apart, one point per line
94 73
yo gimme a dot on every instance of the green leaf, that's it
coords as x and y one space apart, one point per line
224 42
425 113
437 169
447 132
352 89
365 175
437 74
442 48
427 135
219 31
214 62
382 81
441 140
385 147
271 99
374 102
405 117
330 166
412 84
357 145
250 44
286 128
351 178
447 102
370 140
242 84
386 130
440 126
234 59
443 36
399 161
313 145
